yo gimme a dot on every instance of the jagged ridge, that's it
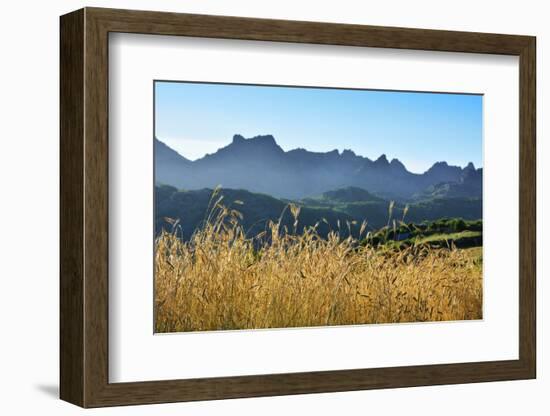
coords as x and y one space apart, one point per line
259 164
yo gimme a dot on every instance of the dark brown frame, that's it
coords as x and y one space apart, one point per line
84 208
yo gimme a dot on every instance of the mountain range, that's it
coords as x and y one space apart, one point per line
260 165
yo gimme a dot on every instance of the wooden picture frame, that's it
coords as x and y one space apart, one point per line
84 207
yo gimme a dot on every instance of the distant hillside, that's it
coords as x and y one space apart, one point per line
331 211
348 194
191 207
361 205
260 165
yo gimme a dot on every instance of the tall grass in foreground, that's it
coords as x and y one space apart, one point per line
221 279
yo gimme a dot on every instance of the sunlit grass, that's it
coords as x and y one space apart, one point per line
449 237
221 279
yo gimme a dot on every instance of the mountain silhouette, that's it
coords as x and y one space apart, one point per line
260 165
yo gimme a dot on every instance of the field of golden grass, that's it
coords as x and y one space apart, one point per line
221 280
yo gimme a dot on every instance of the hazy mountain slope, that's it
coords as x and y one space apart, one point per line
470 185
170 166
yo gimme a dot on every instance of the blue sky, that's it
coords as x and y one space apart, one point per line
419 129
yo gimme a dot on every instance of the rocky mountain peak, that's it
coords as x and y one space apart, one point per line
382 161
237 138
396 164
262 142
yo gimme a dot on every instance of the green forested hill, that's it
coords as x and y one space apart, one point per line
331 210
190 208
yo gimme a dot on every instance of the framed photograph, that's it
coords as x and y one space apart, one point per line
255 207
